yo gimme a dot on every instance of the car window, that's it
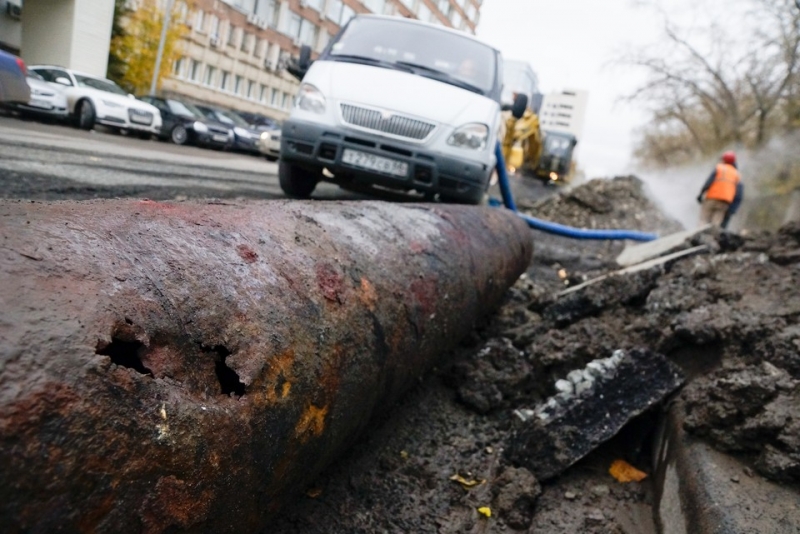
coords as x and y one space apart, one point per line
97 83
233 118
179 108
50 75
431 50
35 76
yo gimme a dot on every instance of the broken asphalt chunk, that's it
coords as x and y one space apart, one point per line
569 426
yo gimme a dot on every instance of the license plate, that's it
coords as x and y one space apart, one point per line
374 163
44 104
275 145
219 138
141 120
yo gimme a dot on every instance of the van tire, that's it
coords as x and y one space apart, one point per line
295 181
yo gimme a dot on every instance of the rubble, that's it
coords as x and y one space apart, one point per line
592 405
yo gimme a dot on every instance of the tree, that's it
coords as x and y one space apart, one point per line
138 45
707 92
116 56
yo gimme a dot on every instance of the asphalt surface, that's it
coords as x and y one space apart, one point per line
55 161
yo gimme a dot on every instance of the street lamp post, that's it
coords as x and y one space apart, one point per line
160 53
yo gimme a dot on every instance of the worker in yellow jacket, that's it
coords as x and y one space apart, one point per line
722 193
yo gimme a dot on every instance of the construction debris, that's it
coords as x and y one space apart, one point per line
592 405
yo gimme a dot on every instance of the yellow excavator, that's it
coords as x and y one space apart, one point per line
529 150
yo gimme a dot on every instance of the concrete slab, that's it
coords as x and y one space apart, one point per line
639 253
700 490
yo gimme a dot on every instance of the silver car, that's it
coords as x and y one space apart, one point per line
46 99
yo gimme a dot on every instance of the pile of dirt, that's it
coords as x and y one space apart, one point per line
617 203
728 317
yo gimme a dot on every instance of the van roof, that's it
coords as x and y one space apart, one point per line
421 23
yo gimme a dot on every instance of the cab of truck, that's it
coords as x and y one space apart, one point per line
398 104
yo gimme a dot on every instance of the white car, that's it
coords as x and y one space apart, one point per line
92 100
398 104
45 101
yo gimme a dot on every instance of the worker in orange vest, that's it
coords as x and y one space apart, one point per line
723 192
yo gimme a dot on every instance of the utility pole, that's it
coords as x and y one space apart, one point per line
160 53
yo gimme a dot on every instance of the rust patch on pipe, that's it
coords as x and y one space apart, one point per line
147 380
247 253
311 423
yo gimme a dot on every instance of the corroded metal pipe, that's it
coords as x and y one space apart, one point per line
191 366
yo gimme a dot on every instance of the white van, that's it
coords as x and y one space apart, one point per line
398 104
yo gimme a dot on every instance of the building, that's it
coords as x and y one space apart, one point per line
72 33
564 111
236 52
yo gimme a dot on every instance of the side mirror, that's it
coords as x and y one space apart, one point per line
299 67
63 81
520 105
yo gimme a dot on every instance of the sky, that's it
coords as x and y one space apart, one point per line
572 44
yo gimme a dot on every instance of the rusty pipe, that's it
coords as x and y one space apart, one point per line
190 366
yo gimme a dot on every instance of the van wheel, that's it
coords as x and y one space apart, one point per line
295 181
86 115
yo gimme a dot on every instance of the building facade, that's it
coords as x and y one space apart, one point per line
236 52
564 111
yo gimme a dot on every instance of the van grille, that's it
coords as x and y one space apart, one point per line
397 125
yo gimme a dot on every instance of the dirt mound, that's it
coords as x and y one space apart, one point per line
730 317
617 203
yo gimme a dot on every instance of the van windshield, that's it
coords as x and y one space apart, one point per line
423 50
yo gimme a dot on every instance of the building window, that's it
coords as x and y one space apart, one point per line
194 73
251 89
268 10
287 99
257 47
247 39
308 32
213 26
316 4
273 99
262 94
233 32
211 72
200 21
224 80
238 85
295 23
178 67
455 19
335 10
376 6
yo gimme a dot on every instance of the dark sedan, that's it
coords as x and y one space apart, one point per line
184 123
245 136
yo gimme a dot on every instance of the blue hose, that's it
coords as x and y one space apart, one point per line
555 228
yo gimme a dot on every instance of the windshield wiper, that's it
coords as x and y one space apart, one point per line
442 76
366 60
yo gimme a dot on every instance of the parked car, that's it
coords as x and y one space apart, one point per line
269 138
13 87
46 100
245 136
92 100
395 103
184 123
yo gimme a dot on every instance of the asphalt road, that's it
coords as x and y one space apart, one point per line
56 162
41 161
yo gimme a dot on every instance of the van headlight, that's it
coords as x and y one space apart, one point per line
472 136
309 98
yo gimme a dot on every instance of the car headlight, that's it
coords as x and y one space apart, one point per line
309 98
472 136
199 127
36 92
265 136
111 104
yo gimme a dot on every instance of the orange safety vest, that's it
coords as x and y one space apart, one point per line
724 185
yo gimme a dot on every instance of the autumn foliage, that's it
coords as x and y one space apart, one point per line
137 45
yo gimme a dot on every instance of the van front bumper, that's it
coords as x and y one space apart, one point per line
316 146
